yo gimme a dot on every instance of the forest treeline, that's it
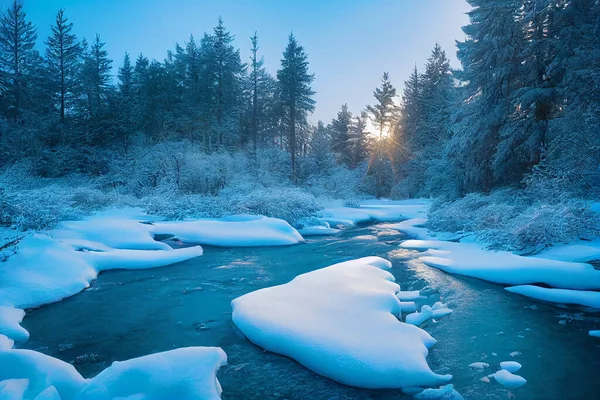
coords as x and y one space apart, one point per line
523 111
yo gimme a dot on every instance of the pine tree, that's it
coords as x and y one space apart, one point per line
96 76
126 98
384 114
358 141
17 54
260 88
62 55
340 129
296 93
407 131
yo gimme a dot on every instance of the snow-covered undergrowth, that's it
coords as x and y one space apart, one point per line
341 322
185 373
585 298
517 220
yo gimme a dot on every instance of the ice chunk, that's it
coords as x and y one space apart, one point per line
408 306
563 296
259 231
503 267
185 373
595 333
340 322
446 392
408 296
374 210
441 312
412 227
10 319
417 318
50 393
439 305
510 366
139 259
509 380
479 365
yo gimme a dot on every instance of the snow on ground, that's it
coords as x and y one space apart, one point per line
185 373
503 267
341 322
562 296
374 210
412 227
10 319
238 231
580 251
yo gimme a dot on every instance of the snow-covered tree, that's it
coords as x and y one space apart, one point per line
385 113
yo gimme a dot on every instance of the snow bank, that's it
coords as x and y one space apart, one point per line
509 380
6 343
563 296
374 210
186 373
471 259
341 322
580 251
318 231
10 319
241 231
45 270
417 318
408 295
595 333
412 227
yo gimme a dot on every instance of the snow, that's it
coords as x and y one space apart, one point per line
185 373
563 296
408 306
442 312
510 366
242 231
509 380
471 259
408 295
412 227
318 231
446 392
580 251
10 318
417 318
595 333
341 322
374 210
6 343
139 259
479 365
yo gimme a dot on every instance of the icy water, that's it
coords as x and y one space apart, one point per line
127 314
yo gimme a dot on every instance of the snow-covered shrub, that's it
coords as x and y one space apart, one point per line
208 174
338 182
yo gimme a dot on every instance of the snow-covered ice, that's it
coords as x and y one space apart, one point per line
579 251
341 322
595 333
374 210
503 267
417 318
6 343
509 380
412 227
318 231
185 373
408 306
408 295
586 298
479 365
446 392
10 319
236 231
510 366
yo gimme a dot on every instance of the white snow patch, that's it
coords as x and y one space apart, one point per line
510 366
471 259
341 322
242 231
579 251
374 210
408 306
318 231
509 380
6 343
408 295
412 227
595 333
563 296
417 318
10 319
441 312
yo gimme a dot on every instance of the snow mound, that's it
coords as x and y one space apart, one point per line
185 373
509 380
374 210
563 296
10 319
408 306
341 322
6 343
408 295
115 233
580 251
232 232
595 333
479 365
441 312
412 227
510 366
471 259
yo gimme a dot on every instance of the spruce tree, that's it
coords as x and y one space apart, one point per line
384 114
340 128
260 87
96 76
296 93
17 54
62 55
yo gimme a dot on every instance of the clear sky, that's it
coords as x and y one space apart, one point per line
350 43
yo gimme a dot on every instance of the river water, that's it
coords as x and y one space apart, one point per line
127 314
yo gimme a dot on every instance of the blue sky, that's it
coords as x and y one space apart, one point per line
350 43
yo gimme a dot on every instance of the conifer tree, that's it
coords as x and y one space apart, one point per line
385 113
